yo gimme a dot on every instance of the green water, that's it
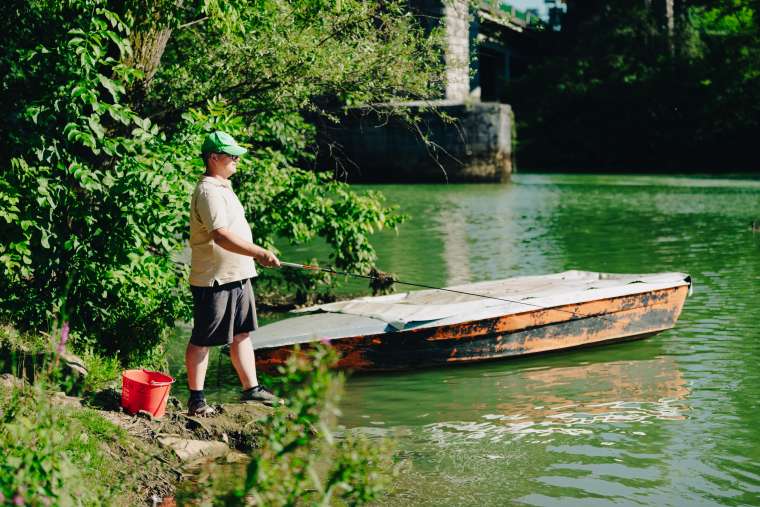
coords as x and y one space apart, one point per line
671 420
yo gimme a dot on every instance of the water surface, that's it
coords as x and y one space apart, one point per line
671 420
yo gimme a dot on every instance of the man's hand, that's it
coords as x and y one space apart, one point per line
268 259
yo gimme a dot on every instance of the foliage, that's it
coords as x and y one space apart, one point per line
102 371
24 354
32 435
93 200
93 214
361 470
616 89
12 340
300 461
283 58
43 446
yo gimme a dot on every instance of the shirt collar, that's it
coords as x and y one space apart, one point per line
217 181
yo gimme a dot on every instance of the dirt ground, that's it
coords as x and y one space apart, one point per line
237 425
152 465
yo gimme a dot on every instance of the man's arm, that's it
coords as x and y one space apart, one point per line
234 243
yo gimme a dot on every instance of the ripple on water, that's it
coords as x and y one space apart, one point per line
552 409
581 421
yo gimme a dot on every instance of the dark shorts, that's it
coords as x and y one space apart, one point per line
221 312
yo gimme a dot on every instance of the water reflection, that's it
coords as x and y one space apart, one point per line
455 248
472 429
499 400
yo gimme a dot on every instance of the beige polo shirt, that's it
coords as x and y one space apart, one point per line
215 205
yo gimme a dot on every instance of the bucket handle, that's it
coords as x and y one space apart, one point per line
155 383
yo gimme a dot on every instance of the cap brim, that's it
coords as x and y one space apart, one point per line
235 151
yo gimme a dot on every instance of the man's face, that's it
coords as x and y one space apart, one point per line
223 164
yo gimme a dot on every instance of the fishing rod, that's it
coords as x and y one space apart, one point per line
386 278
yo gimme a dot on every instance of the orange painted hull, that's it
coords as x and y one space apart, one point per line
542 330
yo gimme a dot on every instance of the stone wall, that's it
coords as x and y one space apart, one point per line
476 147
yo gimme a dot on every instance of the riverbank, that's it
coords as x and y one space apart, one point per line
118 459
55 442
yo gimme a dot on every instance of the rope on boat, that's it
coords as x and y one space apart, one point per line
386 278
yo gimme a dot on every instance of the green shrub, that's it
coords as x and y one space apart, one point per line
38 357
300 460
90 216
55 452
101 371
94 203
52 453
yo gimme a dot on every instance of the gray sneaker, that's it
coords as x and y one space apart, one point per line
261 395
199 408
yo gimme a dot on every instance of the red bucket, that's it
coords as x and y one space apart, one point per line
145 390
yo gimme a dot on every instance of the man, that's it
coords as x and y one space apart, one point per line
222 266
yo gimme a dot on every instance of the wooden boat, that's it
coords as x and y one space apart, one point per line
481 321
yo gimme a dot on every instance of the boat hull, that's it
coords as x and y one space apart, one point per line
541 330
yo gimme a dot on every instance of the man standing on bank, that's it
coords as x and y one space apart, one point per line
222 266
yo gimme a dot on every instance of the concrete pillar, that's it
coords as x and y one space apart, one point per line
457 54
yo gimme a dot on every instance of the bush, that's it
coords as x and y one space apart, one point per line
53 452
94 205
36 437
91 215
300 461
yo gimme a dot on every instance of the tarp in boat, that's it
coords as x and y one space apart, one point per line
435 307
524 294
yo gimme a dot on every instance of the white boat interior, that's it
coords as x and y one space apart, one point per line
457 304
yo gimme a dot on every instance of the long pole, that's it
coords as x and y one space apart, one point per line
311 267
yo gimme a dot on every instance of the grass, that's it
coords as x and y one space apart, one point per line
23 353
122 467
55 451
87 457
102 371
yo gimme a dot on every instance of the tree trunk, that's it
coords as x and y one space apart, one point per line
154 21
670 23
148 45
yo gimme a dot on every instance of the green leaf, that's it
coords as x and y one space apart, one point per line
94 123
113 88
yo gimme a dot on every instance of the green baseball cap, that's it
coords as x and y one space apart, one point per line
221 142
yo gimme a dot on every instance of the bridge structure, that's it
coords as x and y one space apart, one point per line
484 47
